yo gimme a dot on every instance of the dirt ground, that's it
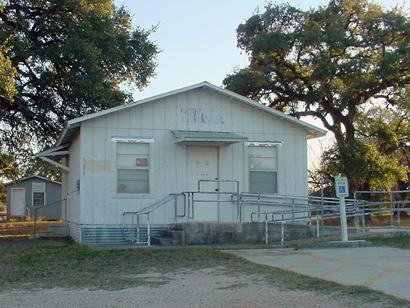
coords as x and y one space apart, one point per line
201 288
58 273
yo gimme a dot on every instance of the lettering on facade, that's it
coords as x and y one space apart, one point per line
201 116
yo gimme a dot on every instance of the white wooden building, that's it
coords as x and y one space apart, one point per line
128 157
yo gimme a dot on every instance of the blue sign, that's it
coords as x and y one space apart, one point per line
342 187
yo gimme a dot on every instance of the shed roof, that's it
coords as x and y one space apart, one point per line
186 136
73 124
31 177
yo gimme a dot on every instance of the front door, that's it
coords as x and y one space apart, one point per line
18 201
202 164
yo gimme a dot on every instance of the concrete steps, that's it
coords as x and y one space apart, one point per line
169 237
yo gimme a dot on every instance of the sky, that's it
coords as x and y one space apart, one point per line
197 39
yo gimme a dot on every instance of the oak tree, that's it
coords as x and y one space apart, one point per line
65 58
327 62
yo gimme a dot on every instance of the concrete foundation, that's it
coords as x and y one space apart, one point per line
57 230
335 244
205 233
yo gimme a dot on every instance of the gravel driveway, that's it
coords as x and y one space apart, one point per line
202 288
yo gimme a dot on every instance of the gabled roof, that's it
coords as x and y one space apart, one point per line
31 177
73 124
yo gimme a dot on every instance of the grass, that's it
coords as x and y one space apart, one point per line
44 264
23 228
400 241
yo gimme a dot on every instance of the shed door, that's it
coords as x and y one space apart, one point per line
202 164
18 201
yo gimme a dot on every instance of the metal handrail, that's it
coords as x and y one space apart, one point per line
366 207
36 208
294 208
279 198
189 201
381 191
292 204
147 211
153 206
276 196
359 207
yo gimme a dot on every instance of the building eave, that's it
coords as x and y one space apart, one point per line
312 131
31 177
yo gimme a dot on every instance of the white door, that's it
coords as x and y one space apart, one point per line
18 201
202 164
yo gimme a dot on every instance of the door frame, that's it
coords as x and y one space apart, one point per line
201 146
12 203
215 149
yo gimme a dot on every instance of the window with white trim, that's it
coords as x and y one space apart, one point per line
132 162
38 193
263 169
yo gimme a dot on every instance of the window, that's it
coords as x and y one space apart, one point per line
263 165
38 198
38 193
132 167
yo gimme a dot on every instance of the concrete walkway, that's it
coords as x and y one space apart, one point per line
381 268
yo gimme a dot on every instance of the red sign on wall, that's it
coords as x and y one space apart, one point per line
142 162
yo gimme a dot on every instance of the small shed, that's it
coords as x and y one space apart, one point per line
34 191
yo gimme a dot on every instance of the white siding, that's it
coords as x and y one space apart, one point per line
199 109
64 191
70 182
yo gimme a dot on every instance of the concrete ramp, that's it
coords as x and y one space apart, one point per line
381 268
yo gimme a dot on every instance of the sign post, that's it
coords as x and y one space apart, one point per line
342 191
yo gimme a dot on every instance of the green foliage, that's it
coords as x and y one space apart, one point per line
8 167
7 74
388 131
65 58
326 62
389 128
380 170
381 154
8 170
370 168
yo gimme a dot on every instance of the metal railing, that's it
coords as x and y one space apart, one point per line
146 211
392 201
37 208
190 199
267 208
329 210
195 198
290 205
